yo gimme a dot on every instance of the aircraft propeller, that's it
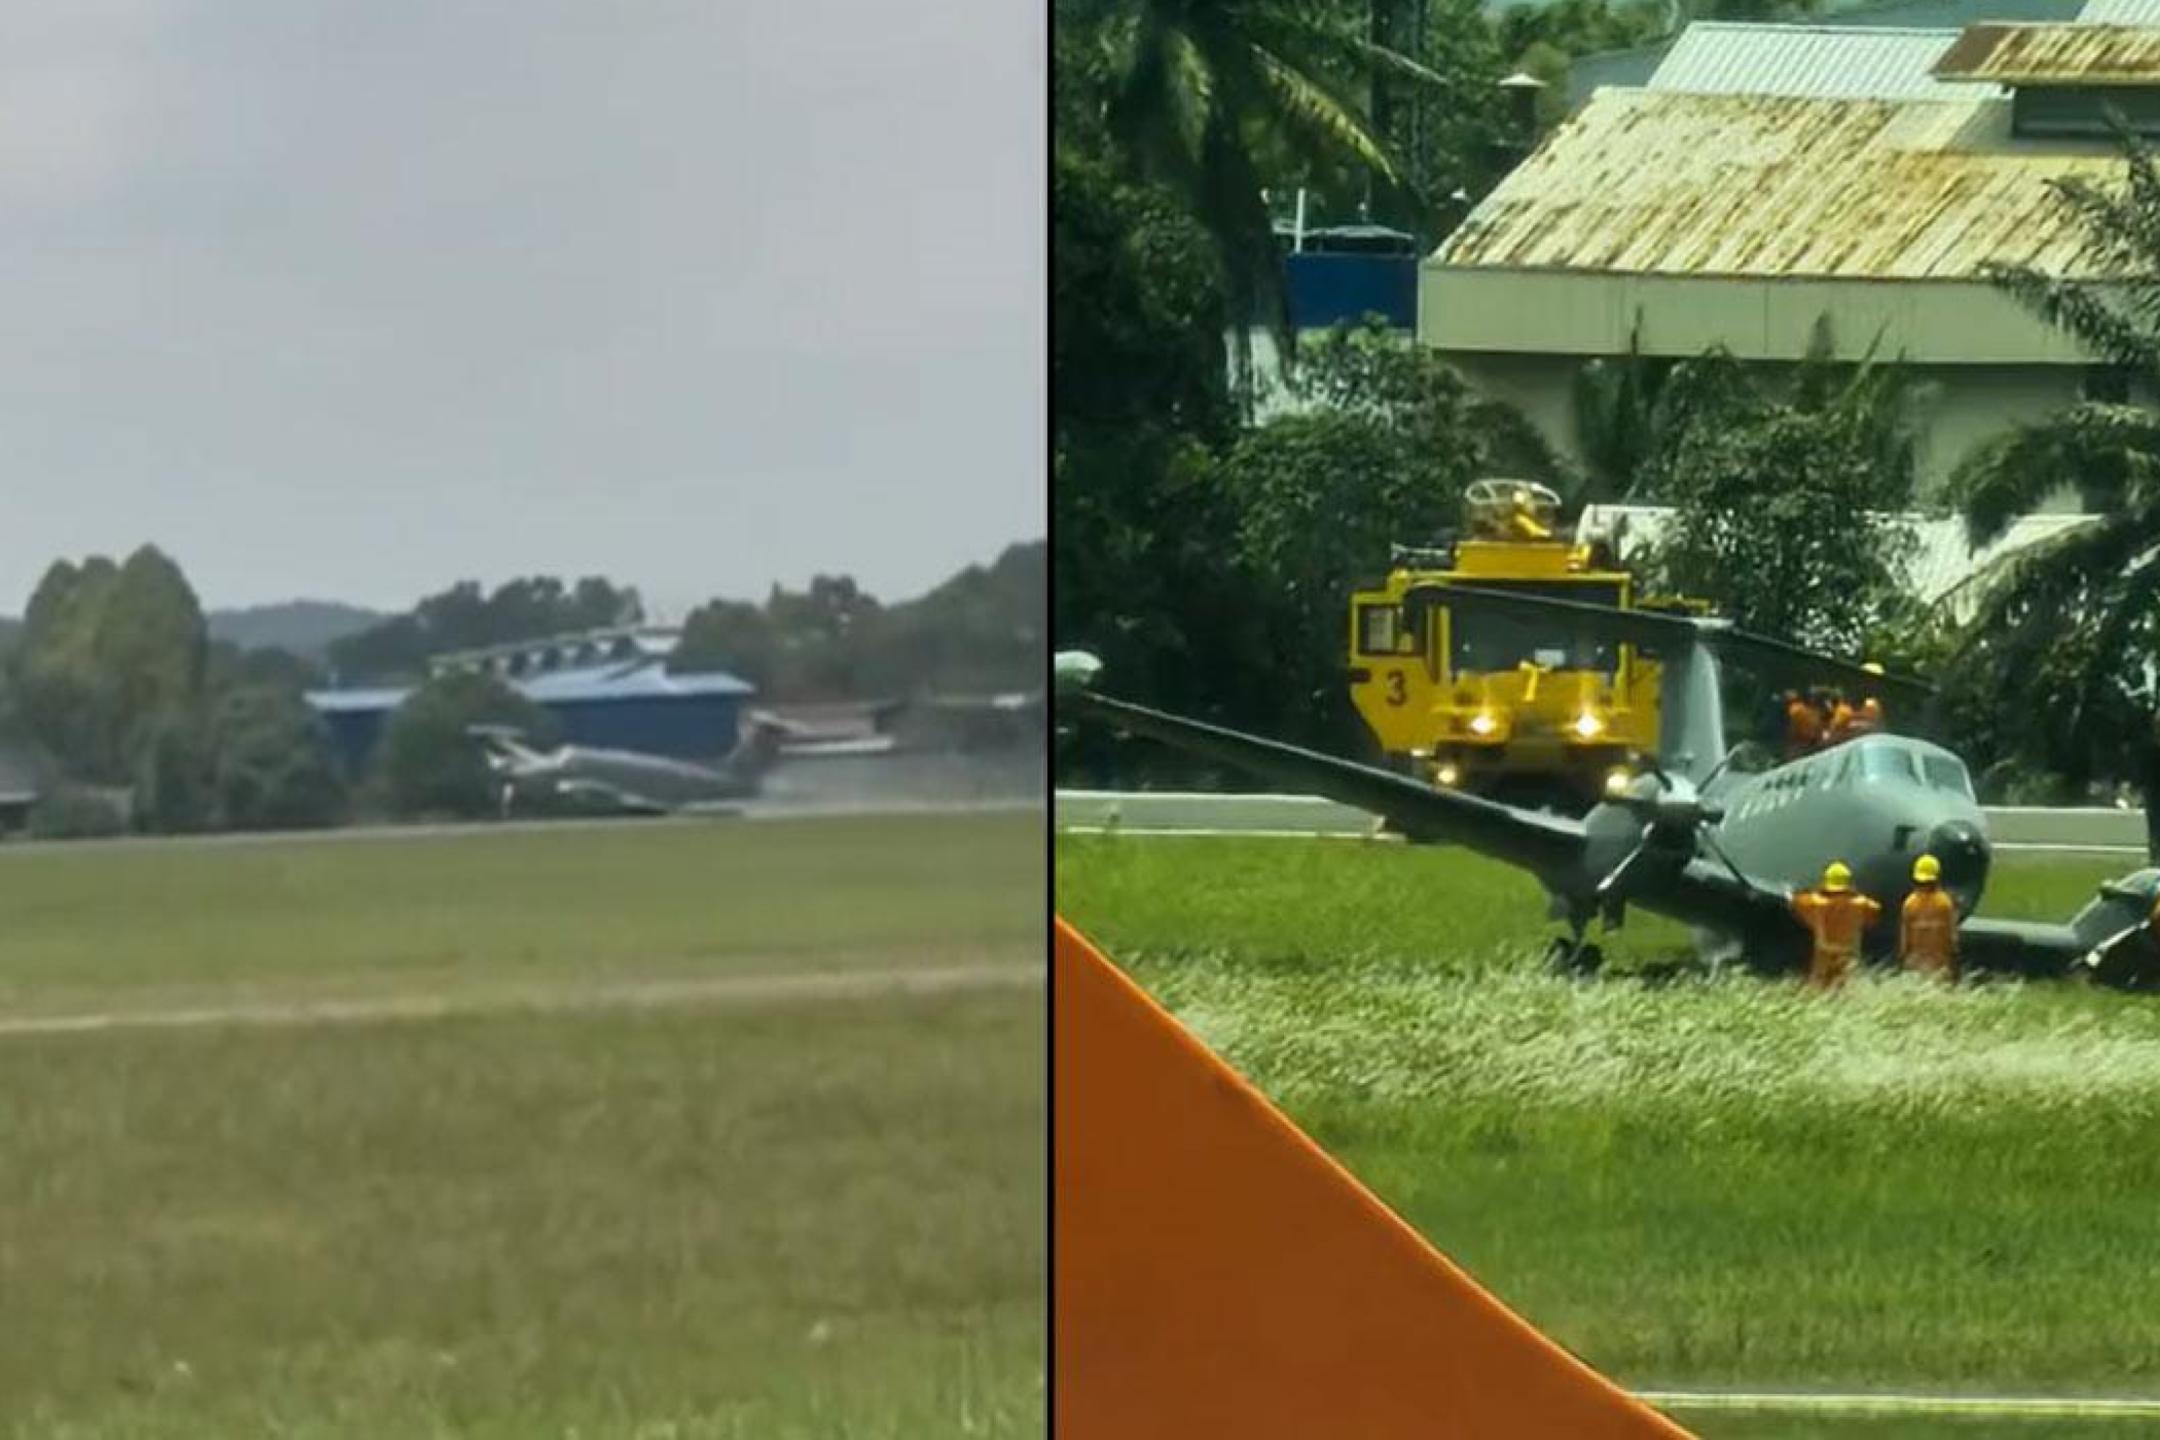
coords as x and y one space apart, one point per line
1673 813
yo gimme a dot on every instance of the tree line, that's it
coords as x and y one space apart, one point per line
112 679
1208 556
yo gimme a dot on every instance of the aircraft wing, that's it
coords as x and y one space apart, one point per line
611 795
1548 844
1778 661
2020 947
1703 892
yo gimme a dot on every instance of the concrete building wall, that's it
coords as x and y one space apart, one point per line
1547 312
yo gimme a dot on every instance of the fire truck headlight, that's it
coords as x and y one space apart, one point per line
1446 775
1483 723
1589 725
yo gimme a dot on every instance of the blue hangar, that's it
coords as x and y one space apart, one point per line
604 687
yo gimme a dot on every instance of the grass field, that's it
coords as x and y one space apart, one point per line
1697 1183
98 927
792 1218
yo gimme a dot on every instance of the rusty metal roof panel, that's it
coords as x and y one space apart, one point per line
1663 184
1823 61
2081 55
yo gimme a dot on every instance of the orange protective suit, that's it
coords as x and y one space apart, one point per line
1803 727
1841 722
1836 919
1927 933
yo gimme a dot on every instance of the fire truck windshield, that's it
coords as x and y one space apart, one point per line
1483 644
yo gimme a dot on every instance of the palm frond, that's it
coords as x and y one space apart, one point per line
2081 307
2128 610
1307 107
1191 94
2014 473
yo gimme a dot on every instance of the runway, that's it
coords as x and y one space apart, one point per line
751 812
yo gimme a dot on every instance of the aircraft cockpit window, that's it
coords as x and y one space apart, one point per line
1946 772
1888 762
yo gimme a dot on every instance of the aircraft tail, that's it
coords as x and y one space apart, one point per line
505 746
758 750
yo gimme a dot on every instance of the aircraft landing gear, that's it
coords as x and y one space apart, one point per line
1573 957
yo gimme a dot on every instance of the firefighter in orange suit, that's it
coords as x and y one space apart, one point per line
1840 728
1803 725
1927 927
1836 915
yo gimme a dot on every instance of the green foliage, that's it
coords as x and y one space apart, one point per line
1217 99
729 635
271 762
1580 27
1786 499
2062 655
429 763
465 617
175 789
1137 307
115 676
73 812
984 630
980 631
108 653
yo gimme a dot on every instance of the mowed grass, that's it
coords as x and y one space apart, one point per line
156 925
791 1221
763 1217
1703 1182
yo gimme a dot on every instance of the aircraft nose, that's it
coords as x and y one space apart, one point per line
1962 851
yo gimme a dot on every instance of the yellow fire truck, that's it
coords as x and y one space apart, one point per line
1503 706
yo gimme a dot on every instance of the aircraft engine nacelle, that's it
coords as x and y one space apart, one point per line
2122 908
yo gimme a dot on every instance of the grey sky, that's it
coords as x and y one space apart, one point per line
352 298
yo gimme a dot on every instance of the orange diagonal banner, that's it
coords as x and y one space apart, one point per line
1218 1274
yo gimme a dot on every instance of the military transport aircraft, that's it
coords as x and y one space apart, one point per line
1694 837
629 780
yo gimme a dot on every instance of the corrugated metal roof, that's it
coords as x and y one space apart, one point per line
1939 568
2120 12
1648 183
1824 62
639 680
2079 54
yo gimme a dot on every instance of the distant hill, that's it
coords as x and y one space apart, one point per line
304 627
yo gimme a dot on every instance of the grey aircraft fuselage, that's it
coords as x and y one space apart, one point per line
634 778
1875 802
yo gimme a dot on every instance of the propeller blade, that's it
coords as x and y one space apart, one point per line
1613 877
1719 768
1710 843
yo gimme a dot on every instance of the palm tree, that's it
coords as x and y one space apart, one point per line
2066 641
1210 97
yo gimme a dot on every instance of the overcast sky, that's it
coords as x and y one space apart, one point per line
352 298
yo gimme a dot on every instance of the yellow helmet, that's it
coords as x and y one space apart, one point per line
1873 667
1837 878
1927 870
